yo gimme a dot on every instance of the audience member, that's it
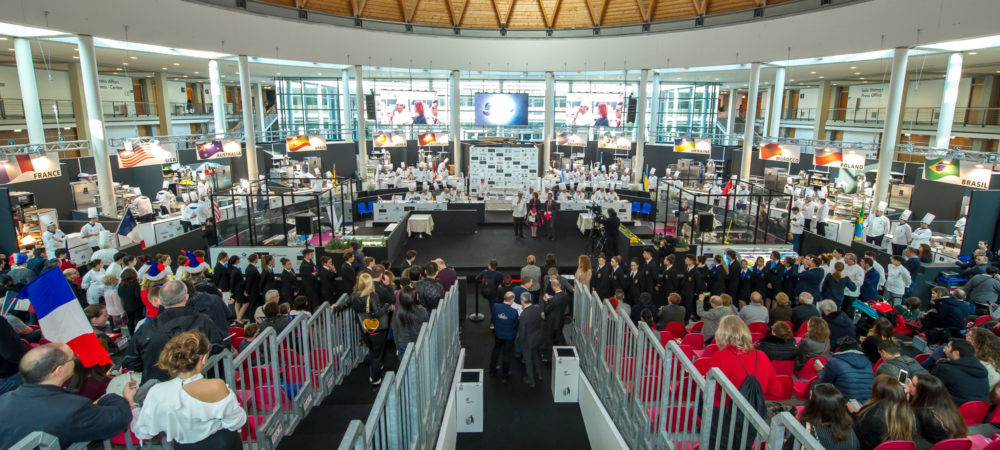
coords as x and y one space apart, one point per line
271 296
886 416
529 338
963 374
893 362
11 352
848 369
937 417
673 311
504 320
836 284
445 275
410 315
805 310
816 343
374 317
555 308
839 322
780 309
274 318
872 280
737 358
987 346
42 404
984 290
645 304
754 312
779 345
712 316
530 270
489 282
882 330
826 416
947 313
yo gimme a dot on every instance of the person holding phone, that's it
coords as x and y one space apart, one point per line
886 415
937 416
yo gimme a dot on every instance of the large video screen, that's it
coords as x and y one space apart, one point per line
501 109
406 108
594 110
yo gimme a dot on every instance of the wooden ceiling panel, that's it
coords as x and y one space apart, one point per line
480 14
433 12
573 14
383 10
526 14
672 9
336 7
618 12
721 6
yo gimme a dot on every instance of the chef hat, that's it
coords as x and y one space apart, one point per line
137 191
928 218
905 215
652 172
47 221
166 184
186 197
882 206
92 212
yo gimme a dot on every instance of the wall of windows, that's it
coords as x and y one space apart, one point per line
307 105
688 110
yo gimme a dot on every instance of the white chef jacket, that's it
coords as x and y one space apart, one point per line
808 210
520 207
921 236
903 234
92 228
877 225
204 210
144 206
822 212
611 197
797 222
53 241
960 227
192 212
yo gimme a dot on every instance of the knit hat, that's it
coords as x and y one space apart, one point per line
195 264
154 271
18 259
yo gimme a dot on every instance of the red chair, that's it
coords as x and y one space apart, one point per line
676 329
688 351
803 330
994 445
683 392
666 336
809 369
953 444
922 357
627 370
757 336
897 445
787 389
248 432
237 331
974 412
119 439
697 326
650 388
784 367
695 340
678 419
290 357
263 398
980 442
979 321
708 352
758 327
703 365
237 341
877 363
801 388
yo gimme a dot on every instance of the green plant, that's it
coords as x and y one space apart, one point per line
341 244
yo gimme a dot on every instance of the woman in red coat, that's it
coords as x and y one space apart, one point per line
738 359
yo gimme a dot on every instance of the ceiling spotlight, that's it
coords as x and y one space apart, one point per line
821 77
973 53
133 57
857 73
813 72
177 64
163 68
196 73
853 67
76 57
124 64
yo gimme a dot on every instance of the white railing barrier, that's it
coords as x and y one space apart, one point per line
654 394
410 405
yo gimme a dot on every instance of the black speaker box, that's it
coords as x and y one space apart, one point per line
370 106
706 222
630 110
303 225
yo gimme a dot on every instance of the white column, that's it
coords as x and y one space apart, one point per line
218 101
261 121
454 106
731 105
654 108
345 106
750 119
887 151
29 91
777 99
640 125
548 121
362 138
249 131
948 98
95 125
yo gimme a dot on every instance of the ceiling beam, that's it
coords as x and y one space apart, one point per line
510 8
413 12
700 6
496 10
555 13
590 10
604 9
451 12
402 9
461 17
545 17
642 10
361 10
301 4
652 9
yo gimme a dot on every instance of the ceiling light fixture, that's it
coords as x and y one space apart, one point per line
177 64
133 57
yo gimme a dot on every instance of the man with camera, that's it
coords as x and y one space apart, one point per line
611 224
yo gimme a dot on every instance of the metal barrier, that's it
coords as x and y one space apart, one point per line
654 394
410 405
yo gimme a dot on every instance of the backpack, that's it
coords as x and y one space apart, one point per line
752 391
489 285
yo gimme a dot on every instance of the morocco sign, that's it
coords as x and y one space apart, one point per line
780 152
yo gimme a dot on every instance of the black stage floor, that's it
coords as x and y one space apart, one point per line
470 252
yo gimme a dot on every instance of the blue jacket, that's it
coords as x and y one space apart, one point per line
834 290
35 264
504 320
869 288
840 325
809 281
61 413
518 290
949 313
851 373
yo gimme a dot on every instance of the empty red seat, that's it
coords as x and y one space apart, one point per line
676 329
953 444
757 327
697 326
801 388
787 389
666 336
703 365
695 340
897 445
784 367
974 412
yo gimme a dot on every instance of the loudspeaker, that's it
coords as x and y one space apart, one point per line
370 106
630 109
303 225
706 222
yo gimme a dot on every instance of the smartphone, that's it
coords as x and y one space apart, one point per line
902 377
819 362
855 404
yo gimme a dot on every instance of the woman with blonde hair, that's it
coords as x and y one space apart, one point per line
584 271
886 416
987 347
738 359
189 410
816 343
373 315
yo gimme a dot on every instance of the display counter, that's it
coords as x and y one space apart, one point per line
623 208
840 230
161 229
393 211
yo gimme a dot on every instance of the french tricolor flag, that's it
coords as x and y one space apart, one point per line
62 319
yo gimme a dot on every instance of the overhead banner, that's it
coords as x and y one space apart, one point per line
432 140
566 139
780 152
407 108
150 153
229 148
20 168
694 147
964 173
310 143
619 142
383 140
852 159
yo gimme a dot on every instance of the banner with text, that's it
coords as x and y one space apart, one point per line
780 152
692 146
228 148
150 153
964 173
20 168
837 157
310 143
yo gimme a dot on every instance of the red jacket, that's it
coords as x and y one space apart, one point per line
757 363
66 264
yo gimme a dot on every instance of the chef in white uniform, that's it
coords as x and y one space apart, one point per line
877 225
923 234
902 234
53 238
960 228
91 231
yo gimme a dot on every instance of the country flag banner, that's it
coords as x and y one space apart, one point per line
828 157
21 168
229 148
567 139
310 143
61 317
780 152
695 147
433 140
854 159
385 140
613 142
963 173
150 153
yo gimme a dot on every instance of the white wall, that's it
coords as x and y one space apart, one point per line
926 93
810 98
176 92
55 89
116 89
856 27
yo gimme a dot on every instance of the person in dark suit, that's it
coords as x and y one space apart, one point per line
408 260
668 275
718 276
631 282
758 283
529 337
549 216
650 274
774 273
611 231
735 274
809 276
912 262
617 274
310 285
252 282
687 280
746 274
237 287
601 281
701 280
555 309
327 281
347 273
268 279
789 280
220 273
42 404
289 286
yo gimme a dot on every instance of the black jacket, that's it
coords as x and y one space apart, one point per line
632 287
213 307
289 285
617 279
328 286
252 281
717 280
777 349
11 349
347 277
733 281
310 285
220 276
430 292
268 281
555 311
65 415
237 284
774 275
668 280
758 282
602 283
801 314
129 293
529 327
840 325
145 346
965 378
649 275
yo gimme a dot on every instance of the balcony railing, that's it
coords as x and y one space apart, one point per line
913 116
12 108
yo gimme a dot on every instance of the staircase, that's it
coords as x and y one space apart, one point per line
325 425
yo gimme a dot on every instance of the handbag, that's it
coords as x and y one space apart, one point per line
370 323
